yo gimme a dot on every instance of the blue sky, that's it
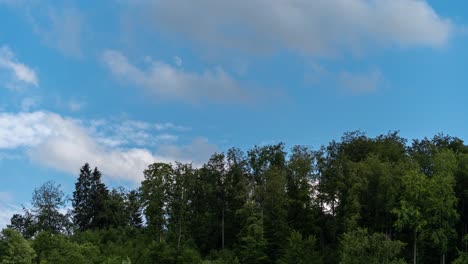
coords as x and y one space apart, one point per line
121 84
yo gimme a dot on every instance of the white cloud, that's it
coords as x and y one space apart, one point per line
167 82
319 28
66 144
19 71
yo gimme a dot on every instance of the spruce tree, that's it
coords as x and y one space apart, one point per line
89 200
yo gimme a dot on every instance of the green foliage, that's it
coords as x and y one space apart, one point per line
345 201
14 248
222 257
252 244
360 247
57 249
47 202
300 251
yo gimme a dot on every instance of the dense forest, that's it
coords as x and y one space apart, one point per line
358 200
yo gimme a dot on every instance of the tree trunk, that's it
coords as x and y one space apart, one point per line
222 230
414 248
180 234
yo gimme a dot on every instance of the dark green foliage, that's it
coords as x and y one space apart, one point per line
252 244
23 223
90 199
300 251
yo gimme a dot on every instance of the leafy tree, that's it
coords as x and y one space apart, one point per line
208 205
24 224
300 251
154 192
134 209
299 190
48 200
441 213
237 188
359 247
116 210
14 248
252 244
411 212
178 204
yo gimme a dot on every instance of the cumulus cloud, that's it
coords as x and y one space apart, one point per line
66 144
19 72
319 28
168 82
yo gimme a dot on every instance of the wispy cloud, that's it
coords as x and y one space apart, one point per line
75 106
360 82
61 28
29 103
350 82
7 208
168 82
58 26
19 72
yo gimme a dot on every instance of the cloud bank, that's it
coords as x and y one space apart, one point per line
66 144
318 28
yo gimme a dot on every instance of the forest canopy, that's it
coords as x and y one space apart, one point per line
357 200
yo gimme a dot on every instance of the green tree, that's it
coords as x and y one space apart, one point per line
252 245
47 201
89 200
441 214
411 211
14 248
154 192
116 214
237 190
24 224
300 179
133 207
300 251
208 205
359 247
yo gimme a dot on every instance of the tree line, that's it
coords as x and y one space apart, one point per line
358 200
